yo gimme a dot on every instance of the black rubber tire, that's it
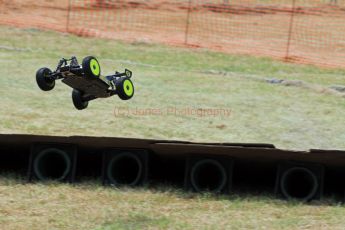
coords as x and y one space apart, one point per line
125 169
124 88
311 177
91 67
45 162
195 175
78 101
43 81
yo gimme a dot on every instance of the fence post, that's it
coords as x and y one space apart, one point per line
187 22
68 14
290 30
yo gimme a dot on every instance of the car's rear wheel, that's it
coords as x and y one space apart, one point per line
91 67
124 88
78 102
43 79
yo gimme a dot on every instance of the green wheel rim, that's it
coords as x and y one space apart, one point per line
94 66
128 87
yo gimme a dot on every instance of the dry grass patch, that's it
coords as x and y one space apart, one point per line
91 206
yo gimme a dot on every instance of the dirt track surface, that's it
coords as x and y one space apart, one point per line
313 34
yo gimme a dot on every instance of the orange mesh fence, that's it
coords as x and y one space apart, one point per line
305 31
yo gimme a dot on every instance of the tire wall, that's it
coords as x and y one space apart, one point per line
196 167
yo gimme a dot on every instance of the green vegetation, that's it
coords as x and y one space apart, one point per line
170 78
165 78
91 206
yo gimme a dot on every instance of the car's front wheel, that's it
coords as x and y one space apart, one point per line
78 102
43 79
124 88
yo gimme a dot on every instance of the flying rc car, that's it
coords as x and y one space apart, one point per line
86 81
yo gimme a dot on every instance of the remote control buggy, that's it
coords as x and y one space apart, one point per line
86 81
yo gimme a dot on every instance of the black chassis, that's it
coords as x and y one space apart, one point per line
72 74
